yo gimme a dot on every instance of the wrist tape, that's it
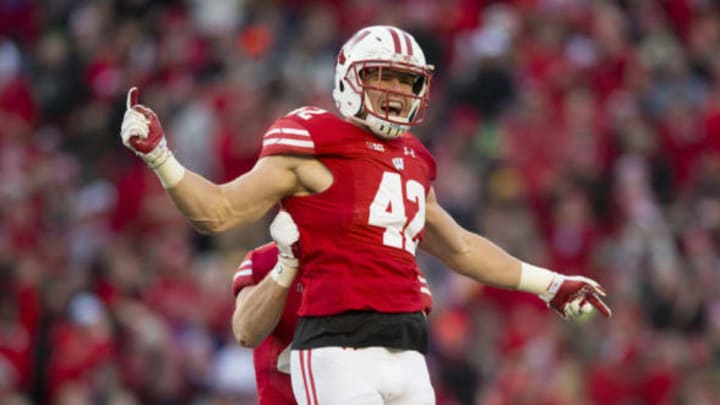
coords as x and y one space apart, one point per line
284 271
536 280
166 167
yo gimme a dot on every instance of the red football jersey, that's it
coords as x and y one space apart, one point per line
358 237
273 385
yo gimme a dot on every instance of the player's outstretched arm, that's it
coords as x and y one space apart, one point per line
474 256
258 308
209 207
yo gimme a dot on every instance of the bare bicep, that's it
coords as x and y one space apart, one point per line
253 194
271 179
443 236
241 297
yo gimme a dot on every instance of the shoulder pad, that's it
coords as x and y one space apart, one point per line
301 132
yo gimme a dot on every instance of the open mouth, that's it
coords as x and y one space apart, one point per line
391 107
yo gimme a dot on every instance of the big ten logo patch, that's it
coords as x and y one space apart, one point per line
378 147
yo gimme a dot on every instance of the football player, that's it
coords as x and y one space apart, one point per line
359 187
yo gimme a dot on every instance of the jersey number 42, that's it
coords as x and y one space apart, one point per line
387 211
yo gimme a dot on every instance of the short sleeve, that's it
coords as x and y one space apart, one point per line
425 155
429 160
243 276
256 265
287 137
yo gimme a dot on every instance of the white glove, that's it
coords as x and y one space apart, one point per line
285 234
142 133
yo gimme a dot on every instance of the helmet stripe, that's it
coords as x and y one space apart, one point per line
358 37
408 43
396 40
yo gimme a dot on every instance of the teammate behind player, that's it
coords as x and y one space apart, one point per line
266 310
266 307
360 190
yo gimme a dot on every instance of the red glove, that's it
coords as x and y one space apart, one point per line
574 297
142 132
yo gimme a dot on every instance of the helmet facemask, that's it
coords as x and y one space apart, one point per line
386 110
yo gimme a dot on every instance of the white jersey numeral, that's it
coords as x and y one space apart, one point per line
307 112
416 193
388 211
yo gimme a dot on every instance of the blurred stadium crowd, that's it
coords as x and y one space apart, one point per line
582 135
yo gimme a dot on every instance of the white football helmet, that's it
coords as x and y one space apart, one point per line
381 47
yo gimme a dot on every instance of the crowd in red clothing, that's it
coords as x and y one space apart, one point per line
580 135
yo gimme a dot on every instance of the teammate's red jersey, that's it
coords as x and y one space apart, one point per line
273 385
358 237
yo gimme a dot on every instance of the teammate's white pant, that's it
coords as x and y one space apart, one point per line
368 376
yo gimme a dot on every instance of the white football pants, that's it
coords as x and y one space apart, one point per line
366 376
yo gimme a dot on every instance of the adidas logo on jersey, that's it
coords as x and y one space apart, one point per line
398 163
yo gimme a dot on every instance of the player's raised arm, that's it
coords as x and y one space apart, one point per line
474 256
208 206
